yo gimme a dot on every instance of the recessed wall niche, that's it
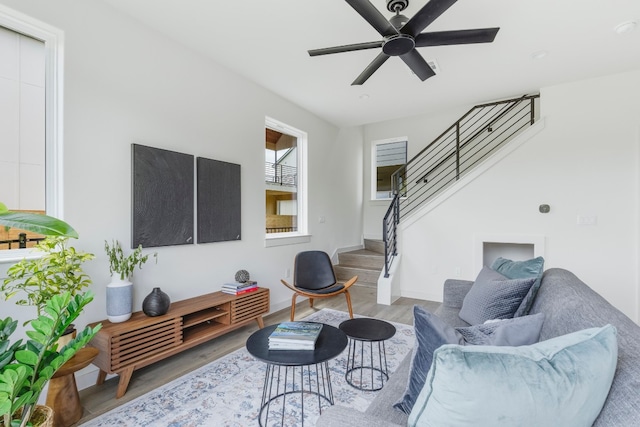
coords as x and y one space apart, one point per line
489 247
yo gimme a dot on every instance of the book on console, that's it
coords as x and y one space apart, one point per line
240 291
295 336
238 286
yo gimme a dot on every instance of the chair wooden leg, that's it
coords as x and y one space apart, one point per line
346 294
293 306
311 302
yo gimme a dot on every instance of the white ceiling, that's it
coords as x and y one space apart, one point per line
267 41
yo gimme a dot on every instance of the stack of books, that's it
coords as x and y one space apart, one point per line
240 288
295 336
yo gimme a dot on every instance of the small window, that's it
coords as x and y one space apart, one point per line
387 157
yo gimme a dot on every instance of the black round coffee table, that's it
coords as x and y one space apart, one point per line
362 331
296 371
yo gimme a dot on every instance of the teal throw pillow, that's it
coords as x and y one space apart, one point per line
563 381
521 270
433 332
493 296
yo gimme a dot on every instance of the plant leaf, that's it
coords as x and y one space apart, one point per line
41 224
27 357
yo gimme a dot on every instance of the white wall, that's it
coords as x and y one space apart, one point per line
584 162
126 84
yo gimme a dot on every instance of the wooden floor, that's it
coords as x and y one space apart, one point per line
97 400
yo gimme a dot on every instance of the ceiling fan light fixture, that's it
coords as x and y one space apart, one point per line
626 27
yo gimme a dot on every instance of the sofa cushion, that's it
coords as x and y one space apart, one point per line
563 381
432 332
493 296
521 270
523 330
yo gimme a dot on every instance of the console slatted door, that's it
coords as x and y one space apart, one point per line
250 305
129 347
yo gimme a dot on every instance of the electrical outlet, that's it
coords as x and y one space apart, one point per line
587 220
457 272
287 273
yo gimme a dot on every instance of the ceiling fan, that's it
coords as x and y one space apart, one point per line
401 36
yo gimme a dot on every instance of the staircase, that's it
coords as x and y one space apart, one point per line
458 150
366 263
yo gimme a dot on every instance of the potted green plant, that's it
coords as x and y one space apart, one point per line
58 270
120 290
26 367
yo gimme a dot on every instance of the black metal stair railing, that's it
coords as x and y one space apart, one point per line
465 144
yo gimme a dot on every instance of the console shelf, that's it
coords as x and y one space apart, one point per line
142 340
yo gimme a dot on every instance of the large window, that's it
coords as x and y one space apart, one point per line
285 162
387 157
30 121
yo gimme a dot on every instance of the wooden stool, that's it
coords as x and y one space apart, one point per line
63 396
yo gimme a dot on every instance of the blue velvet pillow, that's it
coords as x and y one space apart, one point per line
523 330
431 332
521 270
493 296
563 381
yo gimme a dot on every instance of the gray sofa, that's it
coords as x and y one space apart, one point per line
568 305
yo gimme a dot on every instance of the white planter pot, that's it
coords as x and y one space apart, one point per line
119 300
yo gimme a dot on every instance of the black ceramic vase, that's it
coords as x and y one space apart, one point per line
156 303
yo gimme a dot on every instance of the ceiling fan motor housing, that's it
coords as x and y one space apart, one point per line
397 5
398 44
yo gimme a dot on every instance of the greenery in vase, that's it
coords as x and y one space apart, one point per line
58 270
124 265
26 368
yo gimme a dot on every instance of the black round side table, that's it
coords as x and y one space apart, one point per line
367 360
296 372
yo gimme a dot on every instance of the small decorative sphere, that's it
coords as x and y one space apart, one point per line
242 276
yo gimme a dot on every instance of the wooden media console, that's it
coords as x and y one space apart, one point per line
143 340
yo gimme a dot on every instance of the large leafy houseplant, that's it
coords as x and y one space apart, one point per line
25 367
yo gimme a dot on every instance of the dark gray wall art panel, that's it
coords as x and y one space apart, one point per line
218 201
162 197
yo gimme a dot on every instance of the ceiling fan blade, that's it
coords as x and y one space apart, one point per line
371 68
344 48
373 16
418 65
442 38
425 16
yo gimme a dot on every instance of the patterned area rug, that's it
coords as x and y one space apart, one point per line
228 391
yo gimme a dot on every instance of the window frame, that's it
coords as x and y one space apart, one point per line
302 235
53 39
374 164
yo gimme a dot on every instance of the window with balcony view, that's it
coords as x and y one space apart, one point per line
30 123
284 196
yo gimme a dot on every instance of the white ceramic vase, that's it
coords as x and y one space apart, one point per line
119 300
